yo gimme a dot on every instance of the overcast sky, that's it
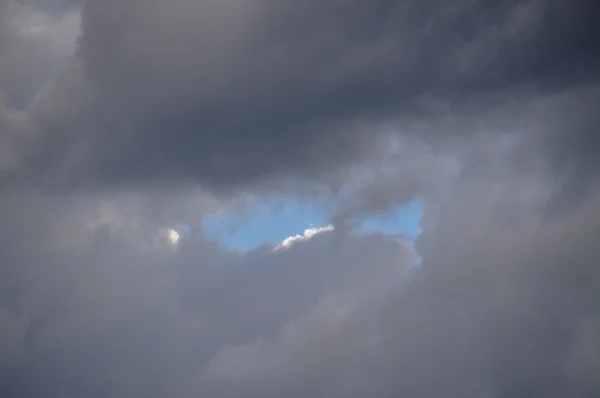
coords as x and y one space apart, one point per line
126 124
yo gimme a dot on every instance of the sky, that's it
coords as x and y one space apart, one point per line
273 222
273 198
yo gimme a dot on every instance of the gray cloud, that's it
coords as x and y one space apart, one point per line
503 304
87 288
224 93
34 45
170 112
499 308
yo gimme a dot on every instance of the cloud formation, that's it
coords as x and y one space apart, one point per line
120 120
229 93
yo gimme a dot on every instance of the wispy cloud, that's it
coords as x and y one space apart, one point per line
308 234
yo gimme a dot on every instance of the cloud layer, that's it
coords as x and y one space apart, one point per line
228 93
120 120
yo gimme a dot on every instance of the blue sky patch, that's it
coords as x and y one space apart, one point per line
401 220
267 222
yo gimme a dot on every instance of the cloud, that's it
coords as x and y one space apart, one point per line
308 234
228 94
503 304
173 237
35 45
168 114
162 314
495 310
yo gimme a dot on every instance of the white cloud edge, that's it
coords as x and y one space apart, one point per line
308 234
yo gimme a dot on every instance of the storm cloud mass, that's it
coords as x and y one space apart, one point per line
121 121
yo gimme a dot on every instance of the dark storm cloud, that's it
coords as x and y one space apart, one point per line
493 107
227 92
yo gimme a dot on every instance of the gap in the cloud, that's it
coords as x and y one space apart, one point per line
274 222
265 222
403 219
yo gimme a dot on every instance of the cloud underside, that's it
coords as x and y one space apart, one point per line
120 120
230 94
